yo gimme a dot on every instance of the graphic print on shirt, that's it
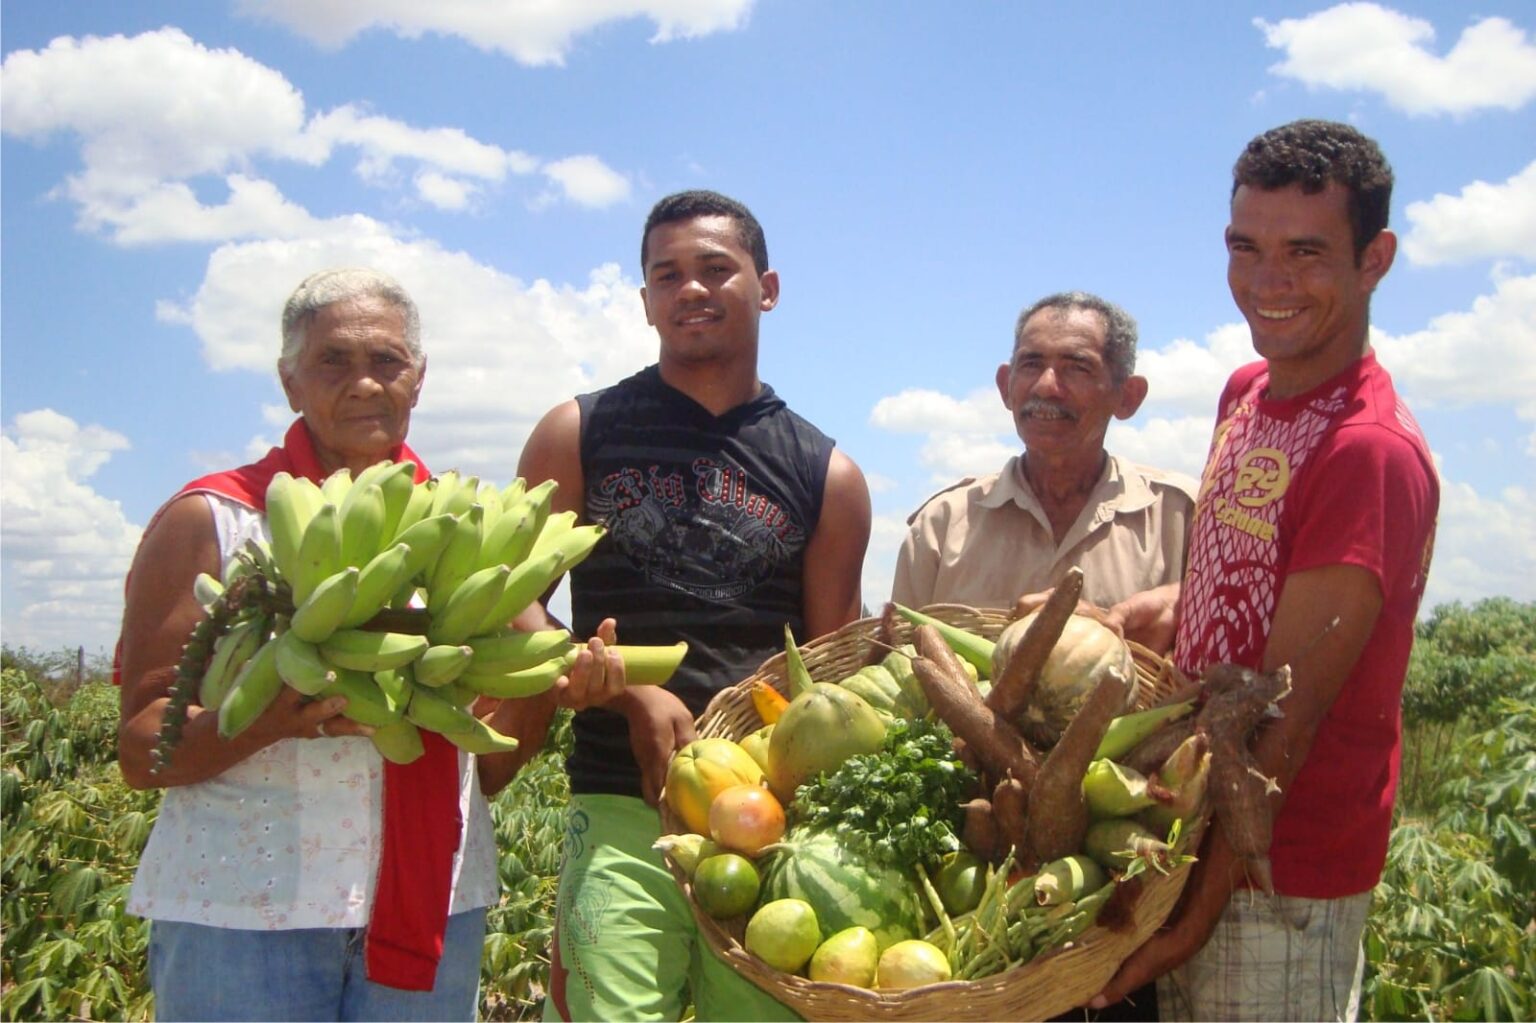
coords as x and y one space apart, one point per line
704 529
1234 577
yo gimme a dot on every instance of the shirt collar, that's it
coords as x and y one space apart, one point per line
1118 490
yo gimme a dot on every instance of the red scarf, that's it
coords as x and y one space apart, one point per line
422 823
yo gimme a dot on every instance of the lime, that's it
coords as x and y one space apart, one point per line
911 964
848 957
725 885
959 882
784 933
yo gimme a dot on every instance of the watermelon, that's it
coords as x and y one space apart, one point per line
844 885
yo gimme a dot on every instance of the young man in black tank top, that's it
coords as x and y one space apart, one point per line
729 516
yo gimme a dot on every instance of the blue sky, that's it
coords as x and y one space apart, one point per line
172 169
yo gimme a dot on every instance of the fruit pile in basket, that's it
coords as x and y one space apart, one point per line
958 805
396 595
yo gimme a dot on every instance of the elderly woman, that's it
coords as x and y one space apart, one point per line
293 873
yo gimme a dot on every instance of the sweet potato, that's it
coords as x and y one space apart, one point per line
979 831
994 742
1058 816
1010 808
1013 684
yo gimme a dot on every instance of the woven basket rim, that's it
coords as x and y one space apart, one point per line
1046 986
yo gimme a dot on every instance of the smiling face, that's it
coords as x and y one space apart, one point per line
355 382
703 292
1059 388
1292 270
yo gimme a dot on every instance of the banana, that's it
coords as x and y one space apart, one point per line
482 739
367 704
459 617
650 665
399 742
361 650
465 497
435 714
513 684
489 500
206 589
230 652
513 651
334 487
512 537
458 559
445 485
362 524
301 666
575 545
426 538
513 492
253 691
555 526
440 664
322 612
418 506
398 484
319 553
526 584
287 516
395 684
458 695
378 583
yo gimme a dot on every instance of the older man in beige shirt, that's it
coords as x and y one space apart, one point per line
1065 501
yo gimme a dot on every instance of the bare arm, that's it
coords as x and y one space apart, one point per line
1321 659
834 557
159 614
1151 617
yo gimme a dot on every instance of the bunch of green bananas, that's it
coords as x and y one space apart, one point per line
348 551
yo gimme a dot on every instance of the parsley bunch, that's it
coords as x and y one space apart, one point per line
903 801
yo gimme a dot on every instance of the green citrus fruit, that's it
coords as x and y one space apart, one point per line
784 933
848 957
725 885
959 882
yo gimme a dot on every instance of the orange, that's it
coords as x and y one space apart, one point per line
725 885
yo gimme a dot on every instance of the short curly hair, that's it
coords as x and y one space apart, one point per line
1312 153
703 203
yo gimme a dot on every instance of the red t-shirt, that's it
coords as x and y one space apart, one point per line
1340 475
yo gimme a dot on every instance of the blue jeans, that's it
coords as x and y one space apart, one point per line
218 973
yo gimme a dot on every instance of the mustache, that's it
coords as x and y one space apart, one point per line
1035 406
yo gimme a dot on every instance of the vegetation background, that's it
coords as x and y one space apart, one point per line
1452 932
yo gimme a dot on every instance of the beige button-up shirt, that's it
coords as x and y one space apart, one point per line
986 541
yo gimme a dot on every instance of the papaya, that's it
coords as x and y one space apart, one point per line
702 770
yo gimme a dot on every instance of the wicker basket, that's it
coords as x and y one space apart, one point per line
1045 987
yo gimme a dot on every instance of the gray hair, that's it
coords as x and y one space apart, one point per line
325 287
1119 328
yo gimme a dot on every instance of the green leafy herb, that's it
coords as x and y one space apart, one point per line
904 802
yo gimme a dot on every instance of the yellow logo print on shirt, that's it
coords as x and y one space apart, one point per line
1262 476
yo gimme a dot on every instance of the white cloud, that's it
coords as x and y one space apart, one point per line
1479 356
1364 46
1483 545
530 33
500 352
587 181
444 192
1187 376
1484 222
1179 444
917 410
885 535
159 113
66 548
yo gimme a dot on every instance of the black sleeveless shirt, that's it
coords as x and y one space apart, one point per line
708 517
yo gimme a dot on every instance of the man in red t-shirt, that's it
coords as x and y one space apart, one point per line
1316 509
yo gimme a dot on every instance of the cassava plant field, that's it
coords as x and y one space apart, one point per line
1452 933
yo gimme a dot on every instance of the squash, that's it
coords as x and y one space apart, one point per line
1085 651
